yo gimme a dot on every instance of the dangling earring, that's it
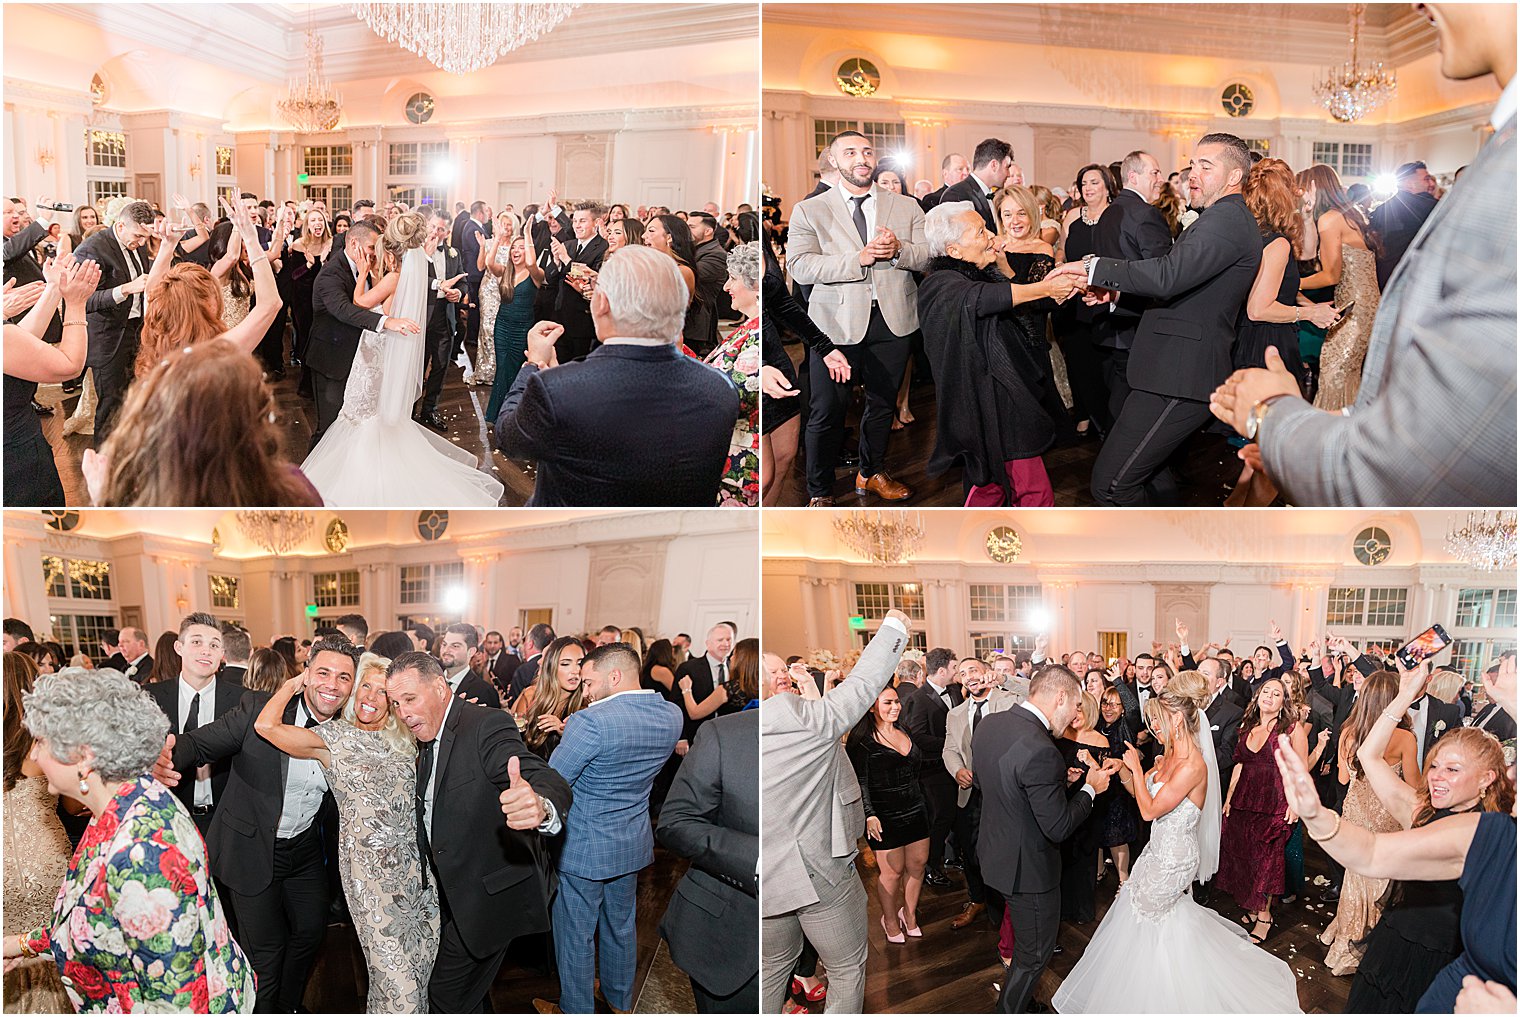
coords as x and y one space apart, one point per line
84 785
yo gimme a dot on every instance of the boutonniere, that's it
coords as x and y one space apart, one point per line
1440 726
1188 218
131 670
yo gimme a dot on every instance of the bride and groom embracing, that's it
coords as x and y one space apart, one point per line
1157 950
370 305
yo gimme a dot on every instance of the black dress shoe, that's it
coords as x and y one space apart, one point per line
72 387
43 410
932 878
434 420
1331 895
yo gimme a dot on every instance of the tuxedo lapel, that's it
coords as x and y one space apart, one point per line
445 753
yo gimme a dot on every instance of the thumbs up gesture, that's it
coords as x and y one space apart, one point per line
519 802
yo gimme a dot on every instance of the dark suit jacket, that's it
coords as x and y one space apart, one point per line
456 234
933 198
104 318
337 322
712 817
242 835
570 308
473 686
505 668
1182 345
22 267
1495 721
472 236
525 675
924 717
233 673
228 695
1448 715
629 425
496 879
120 663
701 675
1130 229
711 269
1026 813
1224 720
971 190
1396 221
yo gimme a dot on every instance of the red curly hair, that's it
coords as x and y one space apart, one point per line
1273 197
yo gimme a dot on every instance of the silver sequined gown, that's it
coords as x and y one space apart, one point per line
395 916
1340 361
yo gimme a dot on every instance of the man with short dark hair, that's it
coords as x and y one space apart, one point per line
983 699
237 647
1398 219
114 313
501 662
196 698
422 635
534 644
455 649
564 276
17 631
354 628
989 169
608 635
711 269
924 714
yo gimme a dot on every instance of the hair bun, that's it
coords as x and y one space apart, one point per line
405 232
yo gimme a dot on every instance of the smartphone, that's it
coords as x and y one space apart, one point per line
1423 646
1343 311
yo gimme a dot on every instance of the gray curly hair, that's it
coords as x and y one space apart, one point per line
101 712
744 264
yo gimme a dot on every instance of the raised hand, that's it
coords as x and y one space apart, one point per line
1182 632
1275 633
1132 758
519 802
180 201
541 339
19 299
1041 644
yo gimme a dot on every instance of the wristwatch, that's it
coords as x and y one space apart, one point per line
1087 261
1259 414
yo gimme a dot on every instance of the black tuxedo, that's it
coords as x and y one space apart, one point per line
933 198
279 884
228 695
598 438
1130 229
1224 716
572 310
494 882
114 335
472 237
473 686
923 717
971 190
456 229
1026 814
439 341
1445 716
22 266
1396 221
700 671
120 663
501 672
233 673
336 326
711 816
525 675
1495 721
1182 344
711 271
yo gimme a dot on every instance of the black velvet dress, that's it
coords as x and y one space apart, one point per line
783 311
889 791
31 476
1253 337
1079 852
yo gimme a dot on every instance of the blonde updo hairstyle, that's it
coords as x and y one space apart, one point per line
1185 695
404 232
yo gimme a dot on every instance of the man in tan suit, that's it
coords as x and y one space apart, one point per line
856 244
811 818
983 698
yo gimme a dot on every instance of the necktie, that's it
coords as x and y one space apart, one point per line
860 214
312 722
424 773
976 715
722 673
194 720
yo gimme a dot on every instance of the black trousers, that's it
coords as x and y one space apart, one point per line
1084 370
968 823
939 802
438 344
329 397
745 999
281 928
1116 377
461 981
1146 434
468 329
1035 918
271 348
878 362
114 370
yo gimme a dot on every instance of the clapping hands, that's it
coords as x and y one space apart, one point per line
19 299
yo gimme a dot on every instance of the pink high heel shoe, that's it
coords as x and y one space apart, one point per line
899 938
914 931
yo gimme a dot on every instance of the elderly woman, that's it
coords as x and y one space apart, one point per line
739 357
369 759
995 421
137 924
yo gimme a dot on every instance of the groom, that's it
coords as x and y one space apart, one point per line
1025 817
337 323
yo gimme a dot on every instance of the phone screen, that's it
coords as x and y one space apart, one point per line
1424 646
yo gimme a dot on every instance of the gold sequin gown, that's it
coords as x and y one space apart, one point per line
37 854
1340 361
1360 905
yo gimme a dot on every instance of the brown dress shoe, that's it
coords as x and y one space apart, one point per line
968 915
881 485
824 502
544 1006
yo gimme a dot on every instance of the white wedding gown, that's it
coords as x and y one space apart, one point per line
1158 950
374 454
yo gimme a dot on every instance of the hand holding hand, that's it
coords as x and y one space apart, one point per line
519 802
1095 295
1075 269
838 365
774 384
541 339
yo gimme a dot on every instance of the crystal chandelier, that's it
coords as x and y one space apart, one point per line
461 37
276 532
311 106
1486 540
1352 91
885 538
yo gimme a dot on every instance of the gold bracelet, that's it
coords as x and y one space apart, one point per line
1392 716
71 324
26 948
1333 832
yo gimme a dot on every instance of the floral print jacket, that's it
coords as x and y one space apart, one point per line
137 927
739 358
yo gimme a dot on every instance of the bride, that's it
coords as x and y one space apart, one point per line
374 453
1157 950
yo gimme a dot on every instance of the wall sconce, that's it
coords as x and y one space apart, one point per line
195 168
45 157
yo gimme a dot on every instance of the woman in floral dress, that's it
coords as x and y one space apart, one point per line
739 357
137 925
370 761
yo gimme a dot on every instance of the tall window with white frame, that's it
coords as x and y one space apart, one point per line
81 605
1004 617
874 600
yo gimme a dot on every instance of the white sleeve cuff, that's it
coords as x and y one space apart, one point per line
894 623
1091 794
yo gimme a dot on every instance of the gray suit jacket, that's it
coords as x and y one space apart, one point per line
1434 421
811 813
958 734
823 250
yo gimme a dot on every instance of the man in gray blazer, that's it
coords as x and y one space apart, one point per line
1434 421
855 245
811 819
983 698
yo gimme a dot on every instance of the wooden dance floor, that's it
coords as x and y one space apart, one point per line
953 970
339 981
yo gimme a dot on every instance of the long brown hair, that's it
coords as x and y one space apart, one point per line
1328 194
1378 690
1172 206
198 430
268 669
1286 718
1481 748
166 659
20 675
548 697
1272 196
183 308
744 670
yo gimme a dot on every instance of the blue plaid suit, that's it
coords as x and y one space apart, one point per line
1434 420
610 754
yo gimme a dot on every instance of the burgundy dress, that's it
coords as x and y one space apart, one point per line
1256 832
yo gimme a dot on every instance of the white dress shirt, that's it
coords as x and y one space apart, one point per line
1417 721
942 693
714 663
205 713
304 787
1505 107
455 678
134 270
